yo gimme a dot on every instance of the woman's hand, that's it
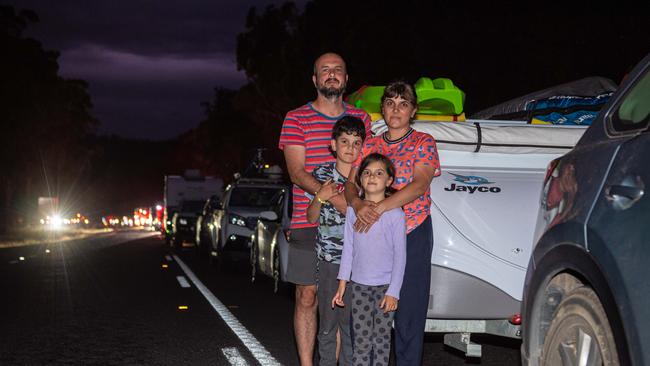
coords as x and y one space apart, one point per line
338 297
327 190
367 215
388 303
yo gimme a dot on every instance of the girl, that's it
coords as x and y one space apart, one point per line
374 261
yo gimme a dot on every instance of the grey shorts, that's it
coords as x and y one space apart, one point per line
301 267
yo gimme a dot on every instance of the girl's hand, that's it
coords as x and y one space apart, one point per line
338 297
327 190
388 303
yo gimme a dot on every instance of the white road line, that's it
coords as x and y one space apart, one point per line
254 346
182 281
234 357
169 259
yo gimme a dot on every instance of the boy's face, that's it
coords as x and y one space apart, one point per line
347 147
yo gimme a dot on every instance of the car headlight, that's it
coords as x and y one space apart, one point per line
237 220
182 221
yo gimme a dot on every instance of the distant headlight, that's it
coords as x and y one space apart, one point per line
237 220
182 221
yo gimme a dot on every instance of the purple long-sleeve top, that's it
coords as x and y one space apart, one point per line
377 257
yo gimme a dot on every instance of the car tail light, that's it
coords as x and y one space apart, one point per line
549 170
515 319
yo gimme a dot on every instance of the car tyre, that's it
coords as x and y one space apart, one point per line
580 329
279 286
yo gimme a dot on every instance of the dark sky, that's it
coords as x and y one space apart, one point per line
149 63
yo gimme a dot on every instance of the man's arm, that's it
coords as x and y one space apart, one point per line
294 155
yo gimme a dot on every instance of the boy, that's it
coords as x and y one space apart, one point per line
347 139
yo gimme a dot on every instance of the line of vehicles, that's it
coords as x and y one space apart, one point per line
540 232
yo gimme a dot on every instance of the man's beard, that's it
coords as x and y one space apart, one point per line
331 92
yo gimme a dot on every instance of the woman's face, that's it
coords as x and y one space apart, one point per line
398 112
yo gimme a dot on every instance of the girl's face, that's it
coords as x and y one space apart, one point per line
375 179
398 112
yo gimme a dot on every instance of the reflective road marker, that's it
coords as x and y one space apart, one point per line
254 346
182 281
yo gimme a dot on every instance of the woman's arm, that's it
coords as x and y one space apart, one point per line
365 210
422 176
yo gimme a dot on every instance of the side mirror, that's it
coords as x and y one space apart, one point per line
269 215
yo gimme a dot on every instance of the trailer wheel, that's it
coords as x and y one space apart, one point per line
580 333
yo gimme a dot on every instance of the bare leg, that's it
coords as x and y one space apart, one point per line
338 344
304 322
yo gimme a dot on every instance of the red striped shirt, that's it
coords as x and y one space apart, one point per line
311 129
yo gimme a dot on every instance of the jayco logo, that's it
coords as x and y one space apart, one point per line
471 184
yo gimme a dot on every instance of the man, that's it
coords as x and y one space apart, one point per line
305 140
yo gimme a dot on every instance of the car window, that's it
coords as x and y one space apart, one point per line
633 113
254 197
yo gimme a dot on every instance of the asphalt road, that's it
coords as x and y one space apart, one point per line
119 299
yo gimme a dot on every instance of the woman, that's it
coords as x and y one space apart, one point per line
415 157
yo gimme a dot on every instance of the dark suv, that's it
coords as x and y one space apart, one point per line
587 293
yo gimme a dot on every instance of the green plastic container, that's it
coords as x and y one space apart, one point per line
435 97
439 96
367 98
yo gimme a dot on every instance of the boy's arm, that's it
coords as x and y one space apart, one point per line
313 211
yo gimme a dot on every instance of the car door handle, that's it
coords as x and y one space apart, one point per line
632 193
627 193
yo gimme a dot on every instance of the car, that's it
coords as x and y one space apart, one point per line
270 241
204 223
586 290
183 223
234 221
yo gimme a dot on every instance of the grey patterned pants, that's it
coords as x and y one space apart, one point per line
370 325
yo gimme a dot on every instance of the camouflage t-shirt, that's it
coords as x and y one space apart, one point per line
331 224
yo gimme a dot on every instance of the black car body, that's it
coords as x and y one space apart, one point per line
587 293
184 222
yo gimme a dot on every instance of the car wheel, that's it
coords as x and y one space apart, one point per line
197 240
278 284
580 333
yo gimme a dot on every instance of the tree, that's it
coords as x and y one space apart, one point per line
45 121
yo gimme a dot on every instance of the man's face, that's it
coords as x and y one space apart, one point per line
347 147
330 76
